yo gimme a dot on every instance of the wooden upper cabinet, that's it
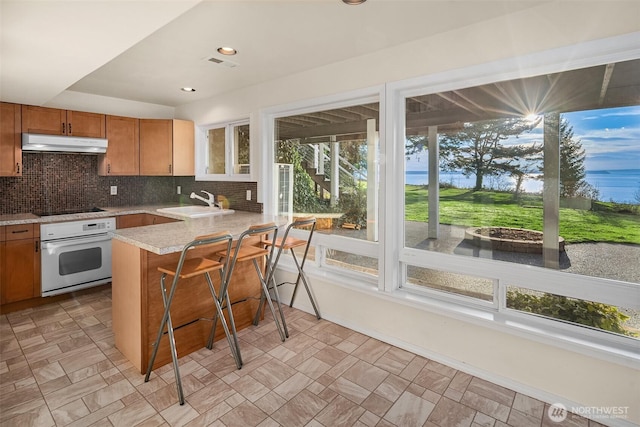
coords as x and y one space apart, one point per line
10 140
123 152
80 123
53 121
166 147
49 121
183 148
156 147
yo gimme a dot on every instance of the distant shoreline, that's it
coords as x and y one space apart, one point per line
617 185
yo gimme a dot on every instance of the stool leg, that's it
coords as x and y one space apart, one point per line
271 279
222 320
166 320
265 291
212 334
279 302
156 345
256 318
302 276
233 329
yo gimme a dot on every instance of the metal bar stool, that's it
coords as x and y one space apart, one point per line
185 269
290 243
244 252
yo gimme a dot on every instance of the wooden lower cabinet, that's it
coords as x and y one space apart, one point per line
2 267
20 260
138 309
142 219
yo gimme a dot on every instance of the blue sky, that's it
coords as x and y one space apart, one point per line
610 137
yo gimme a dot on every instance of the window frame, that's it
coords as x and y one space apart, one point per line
607 291
392 254
202 152
322 242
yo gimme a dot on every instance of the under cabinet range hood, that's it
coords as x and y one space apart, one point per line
64 144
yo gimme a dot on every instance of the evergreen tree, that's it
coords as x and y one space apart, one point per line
572 170
478 149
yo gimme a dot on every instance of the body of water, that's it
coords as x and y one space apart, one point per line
620 185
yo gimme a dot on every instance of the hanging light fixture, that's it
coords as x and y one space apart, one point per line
353 2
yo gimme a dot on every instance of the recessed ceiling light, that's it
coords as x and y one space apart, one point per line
227 50
353 2
187 89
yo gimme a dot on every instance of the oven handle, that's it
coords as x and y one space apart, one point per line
73 242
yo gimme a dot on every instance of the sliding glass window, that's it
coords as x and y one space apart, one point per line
541 171
326 165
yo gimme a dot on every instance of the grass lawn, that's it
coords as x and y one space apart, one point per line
493 208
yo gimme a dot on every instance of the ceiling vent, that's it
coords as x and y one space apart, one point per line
224 62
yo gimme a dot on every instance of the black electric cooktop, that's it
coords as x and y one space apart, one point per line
68 212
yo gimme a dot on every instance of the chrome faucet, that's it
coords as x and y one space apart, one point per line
210 200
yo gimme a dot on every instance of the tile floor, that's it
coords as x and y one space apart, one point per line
59 366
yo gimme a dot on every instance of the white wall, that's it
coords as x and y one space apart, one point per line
71 100
540 370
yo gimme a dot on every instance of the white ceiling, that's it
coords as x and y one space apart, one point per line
146 50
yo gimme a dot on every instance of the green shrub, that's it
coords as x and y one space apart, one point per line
594 314
353 203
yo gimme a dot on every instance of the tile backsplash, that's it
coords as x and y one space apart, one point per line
67 182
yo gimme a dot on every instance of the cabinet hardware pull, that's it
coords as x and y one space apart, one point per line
109 168
69 128
36 242
169 168
20 231
18 168
63 128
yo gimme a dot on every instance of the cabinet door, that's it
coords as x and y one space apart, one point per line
80 123
50 121
123 152
2 266
156 147
20 282
132 220
183 148
158 219
10 140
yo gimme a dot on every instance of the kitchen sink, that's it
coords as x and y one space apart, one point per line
196 211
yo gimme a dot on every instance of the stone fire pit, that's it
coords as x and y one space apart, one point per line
508 239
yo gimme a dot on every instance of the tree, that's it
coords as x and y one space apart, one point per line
572 170
478 150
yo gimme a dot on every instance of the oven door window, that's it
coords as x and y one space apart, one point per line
82 260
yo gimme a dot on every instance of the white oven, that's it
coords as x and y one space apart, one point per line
75 255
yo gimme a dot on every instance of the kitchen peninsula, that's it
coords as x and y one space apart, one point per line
137 299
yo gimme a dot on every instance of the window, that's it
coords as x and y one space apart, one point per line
226 151
325 164
539 171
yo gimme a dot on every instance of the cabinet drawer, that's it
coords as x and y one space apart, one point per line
19 231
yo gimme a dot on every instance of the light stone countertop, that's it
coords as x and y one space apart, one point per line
29 218
171 237
160 238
